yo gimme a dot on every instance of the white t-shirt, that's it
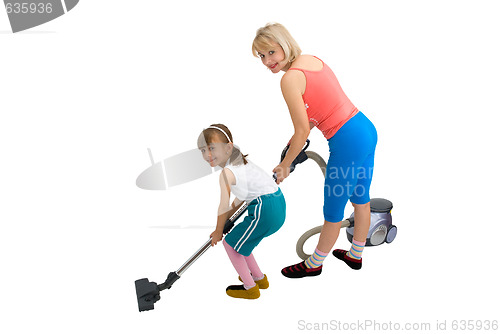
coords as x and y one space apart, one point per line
251 182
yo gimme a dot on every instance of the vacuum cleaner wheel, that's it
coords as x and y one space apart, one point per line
391 235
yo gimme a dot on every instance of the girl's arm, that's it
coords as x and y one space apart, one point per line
292 87
225 210
234 207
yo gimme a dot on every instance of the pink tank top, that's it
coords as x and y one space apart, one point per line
327 106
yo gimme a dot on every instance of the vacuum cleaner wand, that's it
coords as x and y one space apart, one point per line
148 292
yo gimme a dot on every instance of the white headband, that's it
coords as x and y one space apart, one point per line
224 132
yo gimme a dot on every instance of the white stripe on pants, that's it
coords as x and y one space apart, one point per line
256 214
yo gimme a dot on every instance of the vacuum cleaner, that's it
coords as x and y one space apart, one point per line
381 227
381 230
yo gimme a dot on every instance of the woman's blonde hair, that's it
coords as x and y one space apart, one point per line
275 32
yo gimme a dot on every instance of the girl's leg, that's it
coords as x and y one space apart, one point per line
254 268
259 278
240 264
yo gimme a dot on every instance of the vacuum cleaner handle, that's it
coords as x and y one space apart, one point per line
148 292
230 222
227 227
301 157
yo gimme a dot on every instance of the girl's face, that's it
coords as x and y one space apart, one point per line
274 58
216 153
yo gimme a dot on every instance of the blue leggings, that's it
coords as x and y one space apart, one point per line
350 166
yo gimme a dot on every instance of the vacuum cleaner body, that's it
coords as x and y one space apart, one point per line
381 228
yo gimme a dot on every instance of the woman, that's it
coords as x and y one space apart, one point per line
315 99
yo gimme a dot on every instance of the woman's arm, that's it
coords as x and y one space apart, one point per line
292 87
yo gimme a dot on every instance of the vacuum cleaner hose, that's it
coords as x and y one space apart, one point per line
315 230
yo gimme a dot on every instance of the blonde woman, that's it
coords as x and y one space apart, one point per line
315 99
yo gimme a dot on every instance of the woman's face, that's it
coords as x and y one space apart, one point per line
216 153
274 58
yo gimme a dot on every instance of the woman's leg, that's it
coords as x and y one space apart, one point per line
314 264
360 200
362 216
329 235
361 227
364 144
330 232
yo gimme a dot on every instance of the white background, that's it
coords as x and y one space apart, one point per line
84 96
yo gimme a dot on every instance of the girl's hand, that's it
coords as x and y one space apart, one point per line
281 172
216 237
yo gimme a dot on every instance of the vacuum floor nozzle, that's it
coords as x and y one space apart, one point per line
148 293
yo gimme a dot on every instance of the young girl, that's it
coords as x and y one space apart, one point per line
266 207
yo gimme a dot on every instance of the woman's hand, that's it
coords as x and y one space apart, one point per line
282 172
216 237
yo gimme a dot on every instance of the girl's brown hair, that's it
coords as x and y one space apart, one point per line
211 134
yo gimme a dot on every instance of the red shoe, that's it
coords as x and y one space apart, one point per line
300 270
342 255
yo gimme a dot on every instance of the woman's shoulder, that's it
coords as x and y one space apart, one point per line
292 79
296 75
307 63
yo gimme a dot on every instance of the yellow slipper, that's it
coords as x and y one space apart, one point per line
262 283
239 291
